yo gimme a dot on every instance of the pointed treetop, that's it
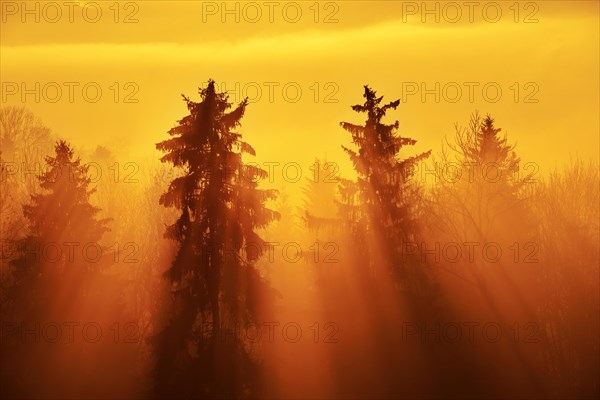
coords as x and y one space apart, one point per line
371 105
64 152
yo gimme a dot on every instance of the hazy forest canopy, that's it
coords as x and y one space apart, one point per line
479 282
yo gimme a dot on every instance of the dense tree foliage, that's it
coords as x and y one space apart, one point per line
381 203
214 279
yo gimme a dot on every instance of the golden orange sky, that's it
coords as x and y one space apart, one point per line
176 46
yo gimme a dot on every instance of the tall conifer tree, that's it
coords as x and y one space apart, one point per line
214 278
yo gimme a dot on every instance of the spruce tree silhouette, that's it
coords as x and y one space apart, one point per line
215 284
477 200
379 209
61 216
481 199
50 274
382 199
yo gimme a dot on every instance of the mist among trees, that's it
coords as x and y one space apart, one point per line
204 280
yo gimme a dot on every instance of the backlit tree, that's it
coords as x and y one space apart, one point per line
214 281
